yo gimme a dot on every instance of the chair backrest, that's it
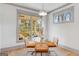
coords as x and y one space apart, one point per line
56 41
26 40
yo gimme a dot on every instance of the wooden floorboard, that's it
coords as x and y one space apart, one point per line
17 51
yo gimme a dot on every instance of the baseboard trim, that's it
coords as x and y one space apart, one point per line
70 49
11 48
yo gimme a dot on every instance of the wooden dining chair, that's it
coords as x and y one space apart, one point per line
56 41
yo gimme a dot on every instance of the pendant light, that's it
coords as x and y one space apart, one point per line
42 12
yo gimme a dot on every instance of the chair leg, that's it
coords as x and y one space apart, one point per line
41 53
35 53
48 53
32 53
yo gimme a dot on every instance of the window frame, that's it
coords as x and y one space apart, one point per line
19 11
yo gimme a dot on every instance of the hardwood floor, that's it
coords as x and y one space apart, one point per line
68 52
59 51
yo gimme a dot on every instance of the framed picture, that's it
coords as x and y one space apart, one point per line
56 19
67 16
61 18
64 16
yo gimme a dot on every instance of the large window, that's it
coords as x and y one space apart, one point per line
28 26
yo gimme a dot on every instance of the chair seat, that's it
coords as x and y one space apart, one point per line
31 46
51 44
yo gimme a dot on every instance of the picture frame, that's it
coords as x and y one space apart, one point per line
67 16
64 16
56 19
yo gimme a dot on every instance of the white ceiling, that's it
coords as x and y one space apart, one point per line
38 6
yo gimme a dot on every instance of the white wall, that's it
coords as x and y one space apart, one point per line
44 20
8 17
0 28
68 33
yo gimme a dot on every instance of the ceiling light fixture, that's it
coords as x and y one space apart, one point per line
42 12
